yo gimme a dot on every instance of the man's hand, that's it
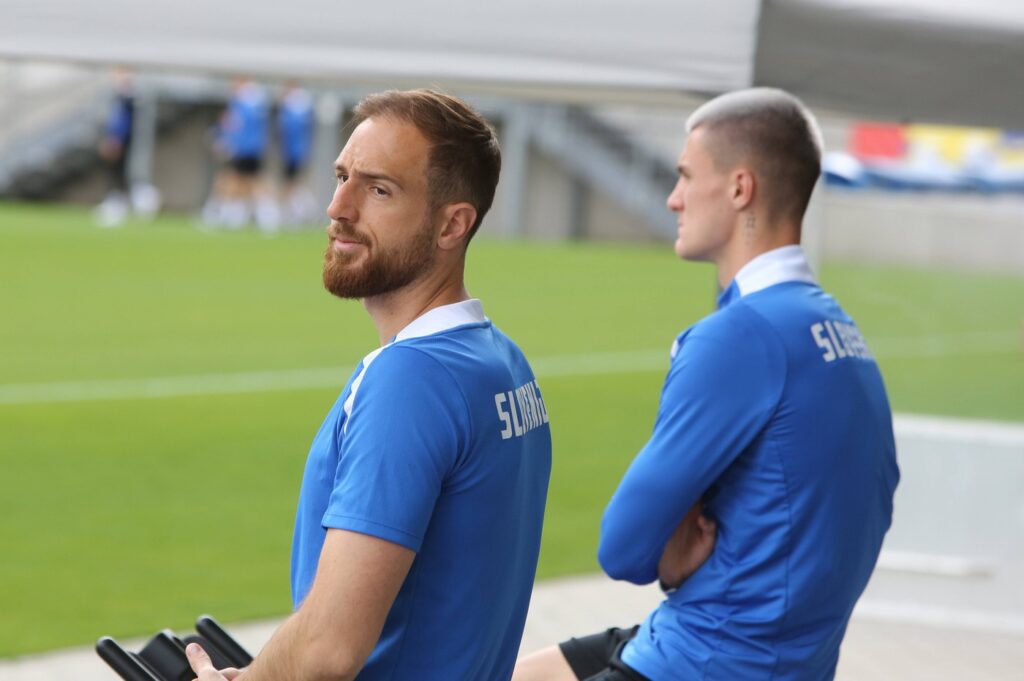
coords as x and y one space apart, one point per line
687 548
203 666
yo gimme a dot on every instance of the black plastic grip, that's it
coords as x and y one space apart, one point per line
209 629
127 666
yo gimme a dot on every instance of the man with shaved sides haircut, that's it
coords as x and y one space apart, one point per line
419 517
761 499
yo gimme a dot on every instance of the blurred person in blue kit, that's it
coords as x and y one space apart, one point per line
419 516
295 119
115 145
762 497
239 195
123 196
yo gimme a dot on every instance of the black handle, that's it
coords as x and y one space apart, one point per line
127 666
209 629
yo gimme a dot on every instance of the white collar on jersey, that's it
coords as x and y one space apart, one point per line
774 267
443 318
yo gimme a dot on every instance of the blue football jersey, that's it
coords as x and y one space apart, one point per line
440 443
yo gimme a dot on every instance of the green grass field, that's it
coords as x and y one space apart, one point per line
125 514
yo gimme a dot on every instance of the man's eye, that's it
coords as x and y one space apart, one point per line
342 179
379 191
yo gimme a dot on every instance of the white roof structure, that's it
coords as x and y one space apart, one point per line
956 61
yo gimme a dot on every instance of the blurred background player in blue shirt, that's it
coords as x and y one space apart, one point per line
242 140
762 497
114 149
295 119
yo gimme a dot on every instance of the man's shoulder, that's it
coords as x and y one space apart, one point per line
407 363
733 335
405 382
727 323
775 311
457 356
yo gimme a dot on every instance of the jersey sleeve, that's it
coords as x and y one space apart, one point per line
723 386
402 440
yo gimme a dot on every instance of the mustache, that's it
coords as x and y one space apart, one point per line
345 231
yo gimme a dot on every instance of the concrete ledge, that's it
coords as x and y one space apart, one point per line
878 645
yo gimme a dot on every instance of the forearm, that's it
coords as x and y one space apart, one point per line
298 652
336 628
649 503
624 551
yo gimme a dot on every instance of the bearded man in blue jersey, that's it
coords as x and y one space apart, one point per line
419 518
762 497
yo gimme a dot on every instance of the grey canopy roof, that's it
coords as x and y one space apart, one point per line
933 60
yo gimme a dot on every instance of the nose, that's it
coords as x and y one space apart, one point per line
343 206
675 199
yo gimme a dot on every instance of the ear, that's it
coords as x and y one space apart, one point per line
742 189
458 221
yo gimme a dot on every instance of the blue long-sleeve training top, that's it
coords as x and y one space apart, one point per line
774 412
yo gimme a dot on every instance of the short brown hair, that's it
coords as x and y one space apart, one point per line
465 159
772 130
